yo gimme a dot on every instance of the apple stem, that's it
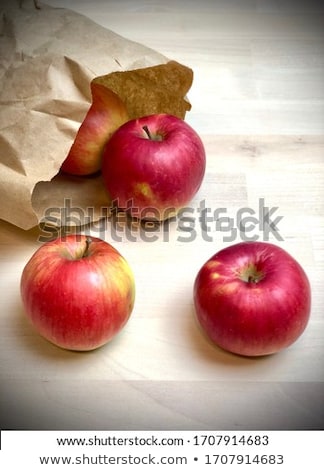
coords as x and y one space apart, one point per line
146 129
252 279
86 251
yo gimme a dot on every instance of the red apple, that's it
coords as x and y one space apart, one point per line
153 166
78 291
252 298
106 113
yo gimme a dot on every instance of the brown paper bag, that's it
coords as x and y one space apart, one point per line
45 76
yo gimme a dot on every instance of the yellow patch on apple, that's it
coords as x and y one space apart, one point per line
227 289
215 275
143 189
212 264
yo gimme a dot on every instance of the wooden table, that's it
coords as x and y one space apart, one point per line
258 104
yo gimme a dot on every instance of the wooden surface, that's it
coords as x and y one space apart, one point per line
258 104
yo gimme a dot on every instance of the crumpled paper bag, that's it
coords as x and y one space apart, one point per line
45 75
